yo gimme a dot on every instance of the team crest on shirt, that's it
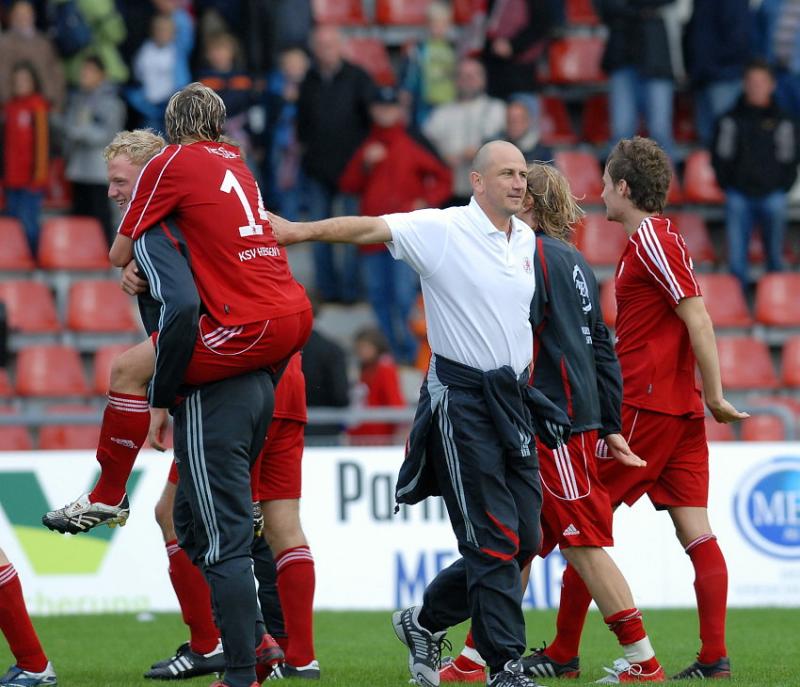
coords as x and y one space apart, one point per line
582 288
222 152
526 265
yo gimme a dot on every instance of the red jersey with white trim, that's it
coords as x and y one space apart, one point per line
654 274
242 275
290 395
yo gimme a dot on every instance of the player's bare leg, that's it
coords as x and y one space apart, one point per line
125 426
693 530
31 667
296 582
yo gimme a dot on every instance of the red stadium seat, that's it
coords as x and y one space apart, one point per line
50 371
790 362
14 437
339 12
596 128
31 308
763 427
69 437
724 300
608 302
554 123
674 192
99 306
692 227
465 10
103 359
6 389
370 54
576 59
402 12
600 241
699 181
583 173
581 12
745 363
718 432
683 119
58 194
756 254
778 299
14 251
73 243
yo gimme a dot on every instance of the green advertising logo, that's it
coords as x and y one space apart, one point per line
49 553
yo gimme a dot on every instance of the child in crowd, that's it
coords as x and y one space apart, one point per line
26 149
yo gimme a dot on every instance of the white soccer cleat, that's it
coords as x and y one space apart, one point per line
82 515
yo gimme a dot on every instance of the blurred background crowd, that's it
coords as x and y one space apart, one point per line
378 106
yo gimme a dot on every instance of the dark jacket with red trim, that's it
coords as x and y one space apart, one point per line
574 363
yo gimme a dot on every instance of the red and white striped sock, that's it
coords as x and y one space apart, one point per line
296 582
126 421
469 658
633 639
194 598
15 623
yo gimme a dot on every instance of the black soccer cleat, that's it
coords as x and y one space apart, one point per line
540 664
719 670
512 675
284 671
186 664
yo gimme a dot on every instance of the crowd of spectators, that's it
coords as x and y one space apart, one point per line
323 138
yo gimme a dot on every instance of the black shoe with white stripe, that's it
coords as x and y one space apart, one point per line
541 665
424 646
706 671
284 671
512 675
186 664
82 515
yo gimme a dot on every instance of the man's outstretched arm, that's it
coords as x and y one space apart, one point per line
334 230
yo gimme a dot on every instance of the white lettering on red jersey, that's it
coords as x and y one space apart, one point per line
242 275
654 275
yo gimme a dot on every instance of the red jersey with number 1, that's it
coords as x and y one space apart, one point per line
242 275
654 274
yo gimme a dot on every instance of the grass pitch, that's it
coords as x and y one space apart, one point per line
360 649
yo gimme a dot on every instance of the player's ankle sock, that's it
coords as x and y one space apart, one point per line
194 598
296 582
469 658
126 421
633 639
15 623
711 589
572 610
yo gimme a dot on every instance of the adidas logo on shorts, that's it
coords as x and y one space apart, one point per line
571 531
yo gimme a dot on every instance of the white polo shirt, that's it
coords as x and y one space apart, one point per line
476 283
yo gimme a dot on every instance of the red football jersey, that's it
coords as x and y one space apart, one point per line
242 275
290 396
658 365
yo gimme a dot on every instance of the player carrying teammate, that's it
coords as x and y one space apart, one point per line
576 368
663 332
200 193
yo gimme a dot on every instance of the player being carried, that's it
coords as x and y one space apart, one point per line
199 193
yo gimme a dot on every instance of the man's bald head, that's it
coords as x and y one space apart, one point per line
498 178
489 153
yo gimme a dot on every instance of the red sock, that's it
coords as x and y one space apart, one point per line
283 642
635 643
711 589
469 658
125 424
296 582
15 623
572 610
194 598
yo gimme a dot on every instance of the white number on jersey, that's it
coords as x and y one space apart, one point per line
231 183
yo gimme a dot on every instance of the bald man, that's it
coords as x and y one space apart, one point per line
472 436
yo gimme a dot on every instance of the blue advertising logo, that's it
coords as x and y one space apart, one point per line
767 508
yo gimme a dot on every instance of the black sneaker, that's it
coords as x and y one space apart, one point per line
706 671
284 672
186 663
82 515
424 646
541 665
512 675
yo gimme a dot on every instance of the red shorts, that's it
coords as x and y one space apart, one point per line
277 470
222 352
576 510
676 452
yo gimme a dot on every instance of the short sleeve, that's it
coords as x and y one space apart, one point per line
667 262
155 195
419 239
